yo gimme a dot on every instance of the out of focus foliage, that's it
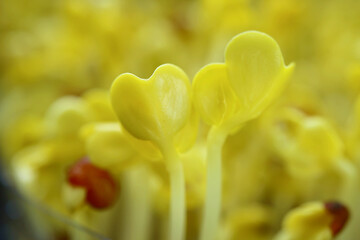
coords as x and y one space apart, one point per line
59 58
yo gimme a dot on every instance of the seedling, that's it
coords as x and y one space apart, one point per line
229 94
156 110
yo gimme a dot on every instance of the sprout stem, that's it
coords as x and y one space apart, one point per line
138 205
215 142
177 185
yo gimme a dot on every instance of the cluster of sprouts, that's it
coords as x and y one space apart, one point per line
206 134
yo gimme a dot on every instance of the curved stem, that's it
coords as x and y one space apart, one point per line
215 142
177 185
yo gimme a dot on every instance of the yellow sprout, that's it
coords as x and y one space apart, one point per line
107 146
58 60
66 116
310 221
252 76
156 109
99 105
153 109
314 221
227 95
309 144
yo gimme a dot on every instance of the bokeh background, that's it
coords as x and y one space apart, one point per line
50 49
55 48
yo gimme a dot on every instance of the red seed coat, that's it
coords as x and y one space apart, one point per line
101 188
340 216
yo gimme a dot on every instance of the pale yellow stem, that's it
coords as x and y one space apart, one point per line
211 215
138 207
177 185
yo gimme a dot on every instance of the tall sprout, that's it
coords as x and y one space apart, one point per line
229 94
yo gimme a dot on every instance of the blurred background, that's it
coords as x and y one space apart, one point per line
54 48
51 49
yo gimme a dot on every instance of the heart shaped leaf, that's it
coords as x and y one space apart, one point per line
155 108
252 76
212 94
256 70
